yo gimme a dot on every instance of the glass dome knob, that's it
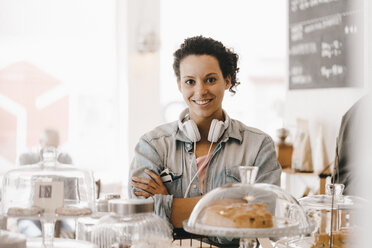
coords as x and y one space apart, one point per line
336 188
248 174
48 153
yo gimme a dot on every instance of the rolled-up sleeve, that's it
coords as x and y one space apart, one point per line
146 157
267 162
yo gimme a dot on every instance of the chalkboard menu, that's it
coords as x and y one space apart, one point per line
326 43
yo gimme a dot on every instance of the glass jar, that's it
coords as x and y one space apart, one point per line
132 223
320 208
85 225
333 215
47 191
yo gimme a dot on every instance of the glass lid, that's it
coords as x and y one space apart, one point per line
324 202
247 210
125 207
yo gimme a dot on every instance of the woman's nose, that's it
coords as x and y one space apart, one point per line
201 88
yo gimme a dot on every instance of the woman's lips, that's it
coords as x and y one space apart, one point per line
202 102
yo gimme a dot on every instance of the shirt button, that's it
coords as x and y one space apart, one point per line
194 186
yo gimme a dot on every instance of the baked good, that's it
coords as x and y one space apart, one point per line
340 240
12 240
72 211
34 210
238 215
321 240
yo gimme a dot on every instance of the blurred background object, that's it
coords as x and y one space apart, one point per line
284 149
48 138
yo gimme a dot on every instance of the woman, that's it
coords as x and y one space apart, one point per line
178 162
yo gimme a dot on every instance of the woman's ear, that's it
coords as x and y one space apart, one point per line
228 82
179 85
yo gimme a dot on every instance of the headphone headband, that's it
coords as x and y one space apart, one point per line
191 130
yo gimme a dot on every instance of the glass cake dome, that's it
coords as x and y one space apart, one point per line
248 211
47 191
333 215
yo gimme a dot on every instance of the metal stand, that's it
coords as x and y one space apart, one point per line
247 243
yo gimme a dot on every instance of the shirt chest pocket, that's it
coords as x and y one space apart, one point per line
232 174
174 187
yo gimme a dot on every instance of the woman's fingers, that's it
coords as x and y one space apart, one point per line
154 185
154 176
159 188
145 194
147 181
144 187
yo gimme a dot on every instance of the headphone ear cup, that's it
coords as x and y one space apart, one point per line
216 130
191 130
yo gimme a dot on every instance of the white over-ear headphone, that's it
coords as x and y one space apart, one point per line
191 130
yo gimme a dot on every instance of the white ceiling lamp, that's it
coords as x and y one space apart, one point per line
148 42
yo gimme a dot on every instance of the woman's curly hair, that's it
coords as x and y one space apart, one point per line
200 45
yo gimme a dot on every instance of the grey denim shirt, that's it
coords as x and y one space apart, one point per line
166 147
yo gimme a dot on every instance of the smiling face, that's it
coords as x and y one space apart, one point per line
203 87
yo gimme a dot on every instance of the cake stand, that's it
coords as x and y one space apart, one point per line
60 243
282 228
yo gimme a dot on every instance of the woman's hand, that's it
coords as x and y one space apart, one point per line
151 186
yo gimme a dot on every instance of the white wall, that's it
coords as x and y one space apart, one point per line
144 110
323 108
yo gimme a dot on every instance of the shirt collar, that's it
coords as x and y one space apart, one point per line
232 132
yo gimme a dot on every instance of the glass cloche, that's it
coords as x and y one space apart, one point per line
248 211
333 213
47 191
132 223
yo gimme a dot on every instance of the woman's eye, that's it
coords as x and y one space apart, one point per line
190 81
211 80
